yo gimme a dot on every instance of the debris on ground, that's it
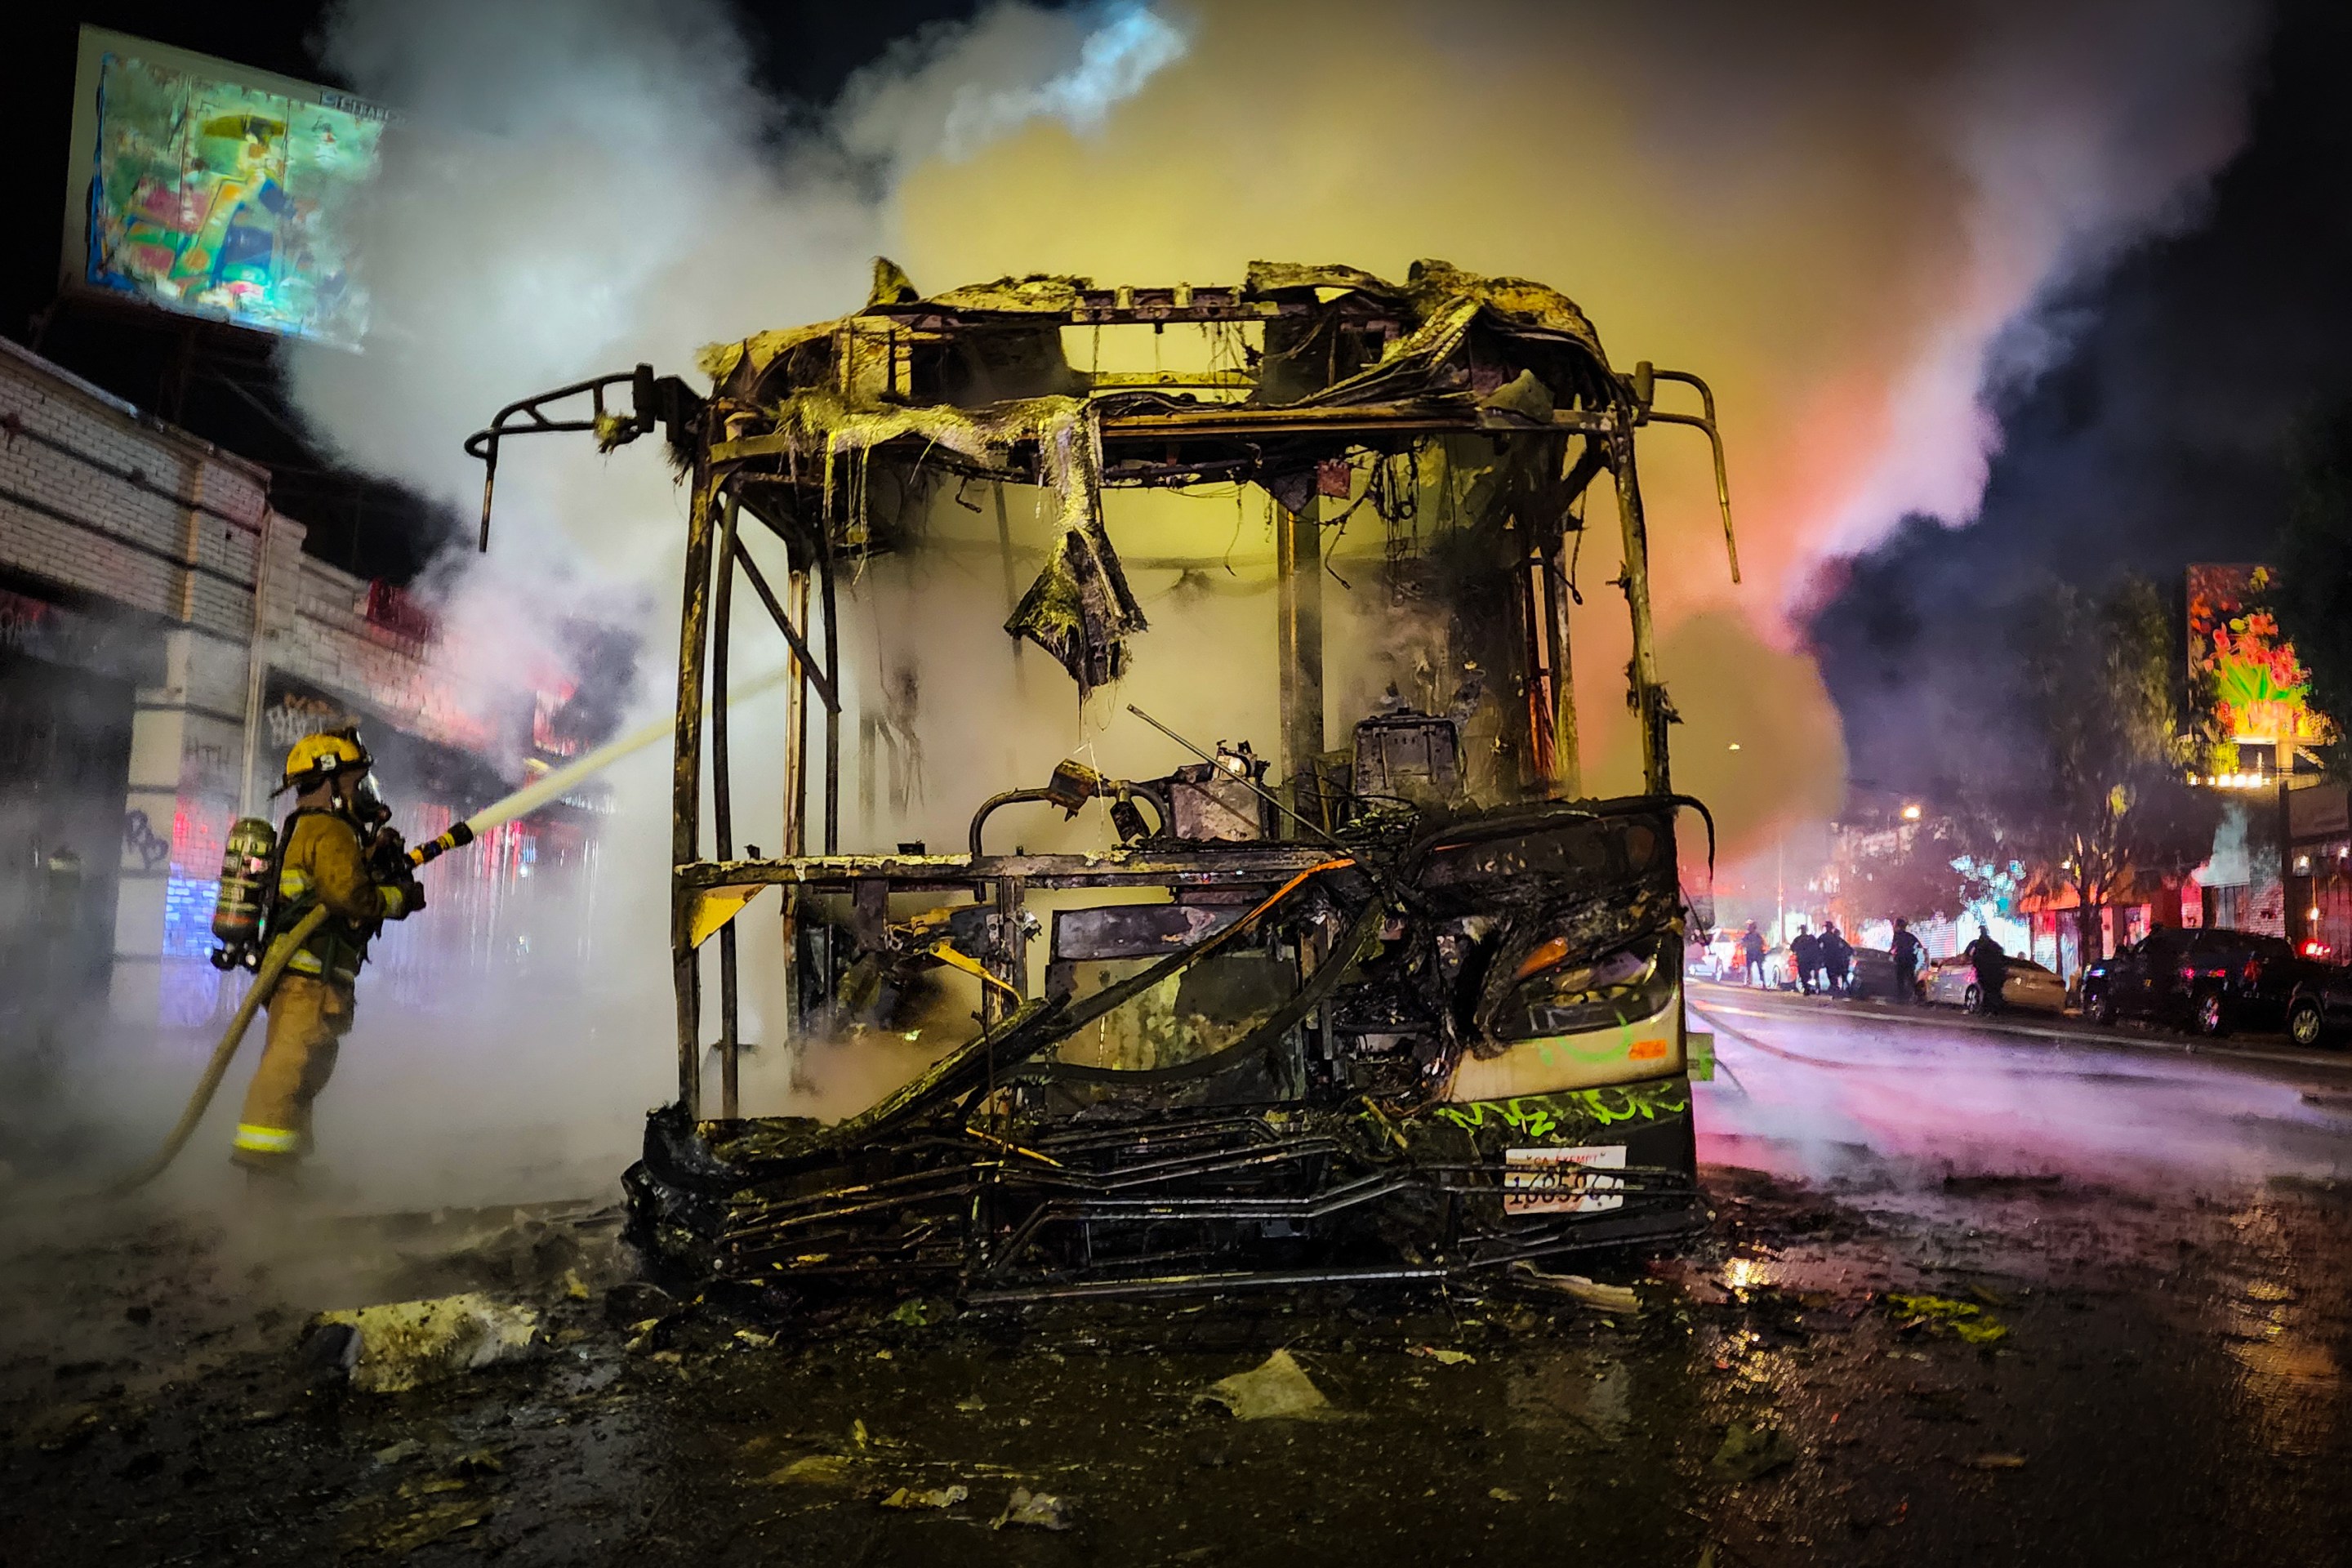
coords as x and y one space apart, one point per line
1577 1287
64 1428
1041 1510
814 1470
1941 1314
919 1312
936 1497
1693 1282
1748 1452
433 1522
1279 1390
415 1514
394 1453
634 1301
1995 1462
1444 1357
392 1348
478 1463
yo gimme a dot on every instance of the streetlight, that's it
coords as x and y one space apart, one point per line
1911 813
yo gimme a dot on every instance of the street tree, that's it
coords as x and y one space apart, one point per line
2098 788
1914 869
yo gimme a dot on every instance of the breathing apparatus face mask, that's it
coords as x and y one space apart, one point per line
368 807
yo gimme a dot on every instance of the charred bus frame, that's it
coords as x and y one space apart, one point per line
974 384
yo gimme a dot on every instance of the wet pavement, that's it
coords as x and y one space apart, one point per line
1970 1297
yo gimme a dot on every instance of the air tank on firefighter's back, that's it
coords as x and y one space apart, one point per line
244 898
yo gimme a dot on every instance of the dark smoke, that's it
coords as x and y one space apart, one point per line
2159 435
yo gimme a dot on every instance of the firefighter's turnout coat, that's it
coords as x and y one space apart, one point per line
320 861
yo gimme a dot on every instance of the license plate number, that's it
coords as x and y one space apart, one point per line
1563 1181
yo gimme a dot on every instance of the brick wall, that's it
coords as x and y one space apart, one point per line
103 502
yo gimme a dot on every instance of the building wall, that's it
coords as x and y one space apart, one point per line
112 511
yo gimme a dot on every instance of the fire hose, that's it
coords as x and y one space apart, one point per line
281 950
272 969
281 953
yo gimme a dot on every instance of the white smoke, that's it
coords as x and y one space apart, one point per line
1846 216
2080 130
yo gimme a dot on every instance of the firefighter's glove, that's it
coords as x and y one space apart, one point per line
402 899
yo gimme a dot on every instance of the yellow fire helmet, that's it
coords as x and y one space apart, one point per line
326 755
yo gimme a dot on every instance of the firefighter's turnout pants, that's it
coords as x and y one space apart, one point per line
320 862
308 1020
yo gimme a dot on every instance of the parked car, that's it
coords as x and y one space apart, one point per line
2027 988
2211 981
1719 959
1873 976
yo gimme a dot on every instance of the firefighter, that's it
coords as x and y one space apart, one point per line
323 856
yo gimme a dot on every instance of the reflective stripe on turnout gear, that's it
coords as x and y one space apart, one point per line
268 1139
305 962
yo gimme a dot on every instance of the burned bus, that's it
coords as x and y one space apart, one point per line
1405 1008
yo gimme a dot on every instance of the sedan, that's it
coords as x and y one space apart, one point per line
2028 988
1873 976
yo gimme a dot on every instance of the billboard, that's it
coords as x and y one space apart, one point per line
2244 678
205 188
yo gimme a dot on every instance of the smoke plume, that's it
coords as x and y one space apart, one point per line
1843 216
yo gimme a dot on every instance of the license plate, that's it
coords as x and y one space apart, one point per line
1563 1181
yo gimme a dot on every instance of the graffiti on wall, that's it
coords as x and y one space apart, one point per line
139 838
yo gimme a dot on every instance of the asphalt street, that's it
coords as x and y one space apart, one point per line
1833 1090
1973 1294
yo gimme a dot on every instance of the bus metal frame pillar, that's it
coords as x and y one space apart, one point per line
686 790
1298 654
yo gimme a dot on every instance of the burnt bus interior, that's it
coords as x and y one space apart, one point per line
1408 1008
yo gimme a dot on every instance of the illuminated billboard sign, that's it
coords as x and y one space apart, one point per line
202 188
2247 682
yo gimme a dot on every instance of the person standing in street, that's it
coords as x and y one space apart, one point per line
1837 957
1908 954
1806 949
1992 969
1751 948
322 858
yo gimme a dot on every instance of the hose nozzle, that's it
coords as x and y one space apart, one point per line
432 849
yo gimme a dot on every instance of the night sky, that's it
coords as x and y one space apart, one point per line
2158 438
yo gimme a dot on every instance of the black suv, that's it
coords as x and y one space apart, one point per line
2320 1011
2212 981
